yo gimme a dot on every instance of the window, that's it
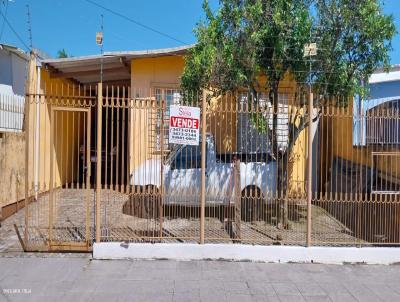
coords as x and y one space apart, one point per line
188 158
171 96
253 139
383 124
376 121
283 120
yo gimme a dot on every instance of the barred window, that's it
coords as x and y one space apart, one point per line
171 96
383 124
253 139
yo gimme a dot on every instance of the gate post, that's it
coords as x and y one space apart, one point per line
98 159
309 167
203 166
238 199
28 102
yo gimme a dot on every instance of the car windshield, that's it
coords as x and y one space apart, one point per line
174 151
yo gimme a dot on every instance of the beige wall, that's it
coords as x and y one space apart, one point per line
12 167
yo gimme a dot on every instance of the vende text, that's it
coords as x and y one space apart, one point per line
183 122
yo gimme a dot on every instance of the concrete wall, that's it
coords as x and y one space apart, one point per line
13 71
12 167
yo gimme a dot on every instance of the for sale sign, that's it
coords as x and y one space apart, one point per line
184 125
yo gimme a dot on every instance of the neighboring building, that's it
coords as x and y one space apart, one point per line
367 160
13 66
384 95
13 78
13 70
379 130
360 160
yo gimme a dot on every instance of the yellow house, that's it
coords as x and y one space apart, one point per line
133 84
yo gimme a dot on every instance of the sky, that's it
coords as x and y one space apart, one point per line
72 24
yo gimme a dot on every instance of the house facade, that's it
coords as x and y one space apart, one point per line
144 78
98 125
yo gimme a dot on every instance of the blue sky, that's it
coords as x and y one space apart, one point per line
72 24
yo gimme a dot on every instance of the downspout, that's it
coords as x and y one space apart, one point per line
37 131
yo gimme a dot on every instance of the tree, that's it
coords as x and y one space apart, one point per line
62 54
246 39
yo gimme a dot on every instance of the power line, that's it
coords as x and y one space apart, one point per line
14 31
135 22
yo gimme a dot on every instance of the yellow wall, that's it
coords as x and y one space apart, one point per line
68 130
146 75
149 73
165 72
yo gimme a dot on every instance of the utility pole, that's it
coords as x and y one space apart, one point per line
99 41
29 27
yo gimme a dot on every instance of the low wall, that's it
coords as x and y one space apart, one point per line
238 252
12 167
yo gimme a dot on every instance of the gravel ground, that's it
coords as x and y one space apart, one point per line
70 220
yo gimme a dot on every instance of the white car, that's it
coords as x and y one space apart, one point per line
182 176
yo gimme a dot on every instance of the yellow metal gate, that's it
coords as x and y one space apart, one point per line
70 190
60 163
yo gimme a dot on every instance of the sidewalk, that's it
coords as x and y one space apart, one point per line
75 277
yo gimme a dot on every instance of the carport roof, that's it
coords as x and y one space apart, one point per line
116 65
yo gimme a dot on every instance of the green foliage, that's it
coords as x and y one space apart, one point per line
248 38
244 39
354 39
62 54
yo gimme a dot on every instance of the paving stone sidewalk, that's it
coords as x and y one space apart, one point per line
75 277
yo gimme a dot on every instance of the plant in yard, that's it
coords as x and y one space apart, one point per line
247 39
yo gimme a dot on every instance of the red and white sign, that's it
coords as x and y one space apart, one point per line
184 125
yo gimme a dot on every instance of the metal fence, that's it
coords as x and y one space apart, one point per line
101 168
